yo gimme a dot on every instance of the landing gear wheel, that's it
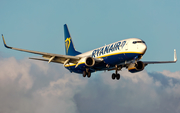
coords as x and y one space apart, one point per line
84 73
118 76
113 76
89 74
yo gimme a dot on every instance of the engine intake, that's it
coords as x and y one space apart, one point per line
133 68
89 61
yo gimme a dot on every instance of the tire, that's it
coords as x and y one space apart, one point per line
118 76
89 74
84 73
113 76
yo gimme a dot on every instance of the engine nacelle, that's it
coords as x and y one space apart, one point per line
89 61
133 68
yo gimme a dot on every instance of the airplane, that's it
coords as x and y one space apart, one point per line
121 54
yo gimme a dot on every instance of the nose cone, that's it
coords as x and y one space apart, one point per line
144 48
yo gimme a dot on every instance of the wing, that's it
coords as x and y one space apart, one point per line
63 59
126 64
159 62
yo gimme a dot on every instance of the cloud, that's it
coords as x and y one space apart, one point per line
34 86
139 92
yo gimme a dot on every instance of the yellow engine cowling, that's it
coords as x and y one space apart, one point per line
136 67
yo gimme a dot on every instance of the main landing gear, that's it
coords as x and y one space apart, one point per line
87 73
116 75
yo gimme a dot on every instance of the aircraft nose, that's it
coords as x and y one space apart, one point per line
144 48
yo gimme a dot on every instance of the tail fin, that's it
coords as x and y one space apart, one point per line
69 46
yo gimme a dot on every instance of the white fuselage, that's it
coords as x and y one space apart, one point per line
113 54
128 47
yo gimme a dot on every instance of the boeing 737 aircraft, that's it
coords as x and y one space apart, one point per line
125 53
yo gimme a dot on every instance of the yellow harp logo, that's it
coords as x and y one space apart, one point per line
67 43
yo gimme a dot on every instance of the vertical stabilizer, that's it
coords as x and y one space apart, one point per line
69 46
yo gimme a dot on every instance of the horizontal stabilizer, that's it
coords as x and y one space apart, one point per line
41 59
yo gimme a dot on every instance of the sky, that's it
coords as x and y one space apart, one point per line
34 86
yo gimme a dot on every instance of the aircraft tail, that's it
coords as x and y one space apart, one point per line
69 46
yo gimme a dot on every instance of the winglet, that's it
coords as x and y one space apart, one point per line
5 43
175 56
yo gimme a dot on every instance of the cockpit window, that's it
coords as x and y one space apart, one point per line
134 42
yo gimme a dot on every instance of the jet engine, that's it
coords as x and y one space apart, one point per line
89 61
136 67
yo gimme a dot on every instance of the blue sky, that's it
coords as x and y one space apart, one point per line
38 25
